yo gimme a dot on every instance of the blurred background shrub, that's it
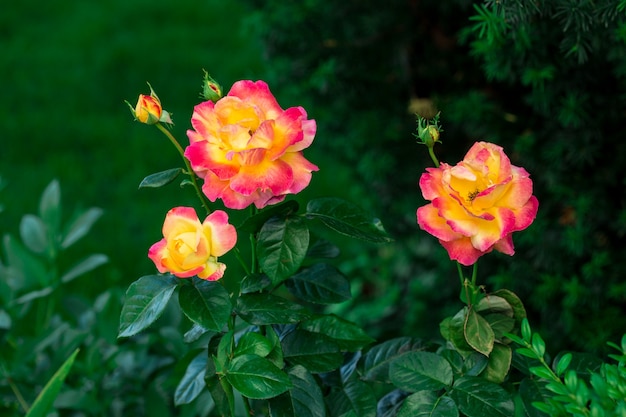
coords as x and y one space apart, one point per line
544 79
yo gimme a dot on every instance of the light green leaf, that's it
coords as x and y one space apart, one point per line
192 382
428 404
321 284
252 343
145 300
88 264
347 219
477 397
46 397
81 226
420 371
281 247
478 333
206 303
50 207
34 233
160 179
256 377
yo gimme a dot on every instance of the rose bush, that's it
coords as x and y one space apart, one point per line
477 204
247 149
191 248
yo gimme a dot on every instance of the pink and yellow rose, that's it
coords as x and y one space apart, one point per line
148 109
477 204
248 149
191 248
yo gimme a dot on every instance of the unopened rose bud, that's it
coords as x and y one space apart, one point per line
148 109
428 133
211 90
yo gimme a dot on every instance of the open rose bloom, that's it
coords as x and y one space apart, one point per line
191 248
248 149
477 204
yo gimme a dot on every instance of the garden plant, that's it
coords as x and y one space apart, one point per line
264 341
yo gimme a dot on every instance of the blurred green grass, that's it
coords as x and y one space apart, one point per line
67 67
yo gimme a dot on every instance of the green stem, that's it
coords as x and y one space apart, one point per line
253 259
15 389
246 405
189 171
474 273
431 152
241 260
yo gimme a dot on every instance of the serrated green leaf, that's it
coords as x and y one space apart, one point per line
316 352
160 179
499 363
145 300
420 371
46 397
252 343
282 244
256 377
303 399
81 226
427 404
192 383
254 223
478 333
34 233
347 219
377 360
206 303
320 284
354 398
86 265
261 309
477 397
348 336
254 283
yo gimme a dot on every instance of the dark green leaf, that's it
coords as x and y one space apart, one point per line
206 303
254 283
355 398
282 246
221 391
192 382
428 404
420 371
261 309
492 304
252 343
256 377
276 355
500 324
478 333
499 363
321 284
30 271
533 391
322 249
88 264
81 226
46 397
377 360
145 300
475 363
254 223
316 352
347 219
34 233
304 398
160 179
519 312
348 336
195 333
476 397
453 329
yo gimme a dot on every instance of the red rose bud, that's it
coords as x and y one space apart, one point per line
148 109
211 90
